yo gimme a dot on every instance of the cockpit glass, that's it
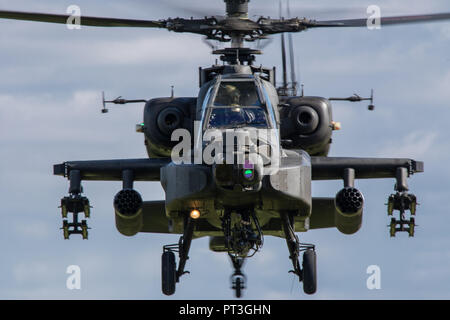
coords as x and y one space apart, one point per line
232 117
237 93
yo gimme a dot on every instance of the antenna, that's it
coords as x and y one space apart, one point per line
287 89
104 110
357 98
371 106
118 100
283 89
291 56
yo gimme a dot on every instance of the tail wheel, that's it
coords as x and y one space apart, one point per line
168 273
309 272
238 288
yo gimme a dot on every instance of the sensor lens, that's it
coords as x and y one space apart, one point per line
249 174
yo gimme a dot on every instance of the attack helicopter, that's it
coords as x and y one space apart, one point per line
266 145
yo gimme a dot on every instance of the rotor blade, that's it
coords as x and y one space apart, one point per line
85 21
384 21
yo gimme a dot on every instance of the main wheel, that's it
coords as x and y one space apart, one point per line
168 273
309 272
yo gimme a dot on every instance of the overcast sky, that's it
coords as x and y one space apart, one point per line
51 80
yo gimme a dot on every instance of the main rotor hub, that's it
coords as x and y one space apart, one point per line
234 56
237 8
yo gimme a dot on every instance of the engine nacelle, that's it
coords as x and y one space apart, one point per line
306 124
349 204
128 209
162 116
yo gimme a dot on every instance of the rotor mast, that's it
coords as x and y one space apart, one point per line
237 53
237 9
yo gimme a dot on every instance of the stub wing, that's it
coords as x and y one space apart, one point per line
112 170
345 210
332 168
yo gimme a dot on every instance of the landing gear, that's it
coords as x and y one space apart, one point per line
169 273
308 273
402 201
241 242
238 279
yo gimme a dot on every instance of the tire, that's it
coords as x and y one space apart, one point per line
238 288
168 273
309 272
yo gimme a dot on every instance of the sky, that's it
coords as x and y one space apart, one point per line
51 80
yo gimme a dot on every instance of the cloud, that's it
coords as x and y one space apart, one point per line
416 144
32 230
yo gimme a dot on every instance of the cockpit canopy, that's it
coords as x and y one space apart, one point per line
234 117
237 104
237 93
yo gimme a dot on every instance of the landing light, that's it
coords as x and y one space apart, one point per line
195 214
336 125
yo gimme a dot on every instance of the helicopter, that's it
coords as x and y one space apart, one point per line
237 204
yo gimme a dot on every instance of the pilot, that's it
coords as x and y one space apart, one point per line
229 95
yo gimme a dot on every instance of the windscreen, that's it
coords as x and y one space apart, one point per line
232 117
237 93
